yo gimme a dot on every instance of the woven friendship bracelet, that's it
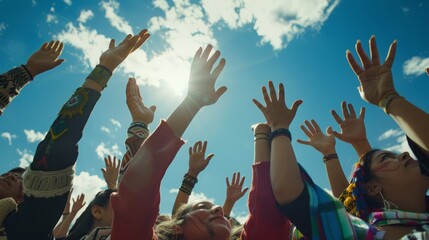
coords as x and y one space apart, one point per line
280 131
329 157
28 72
138 129
101 75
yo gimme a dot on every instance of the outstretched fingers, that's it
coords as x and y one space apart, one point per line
374 51
391 54
366 63
353 64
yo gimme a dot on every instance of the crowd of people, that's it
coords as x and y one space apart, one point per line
384 199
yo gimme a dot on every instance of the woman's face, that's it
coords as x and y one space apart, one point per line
387 166
206 221
11 186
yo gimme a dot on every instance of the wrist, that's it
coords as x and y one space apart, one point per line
190 102
329 157
361 147
30 70
387 99
193 173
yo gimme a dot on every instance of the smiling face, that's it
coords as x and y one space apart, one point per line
11 186
206 221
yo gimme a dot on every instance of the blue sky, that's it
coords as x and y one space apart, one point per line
301 43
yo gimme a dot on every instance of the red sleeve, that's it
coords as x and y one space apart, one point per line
265 221
136 205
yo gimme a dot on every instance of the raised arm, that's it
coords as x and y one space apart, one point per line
377 88
325 144
264 221
42 60
234 191
138 131
201 89
352 128
197 163
68 219
136 206
49 178
284 167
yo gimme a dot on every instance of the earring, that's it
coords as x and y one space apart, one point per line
387 204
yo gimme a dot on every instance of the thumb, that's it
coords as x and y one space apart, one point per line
103 170
220 92
296 105
58 62
153 108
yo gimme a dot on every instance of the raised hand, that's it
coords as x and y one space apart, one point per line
201 89
197 161
45 58
352 127
427 71
111 171
78 203
325 144
375 78
276 113
234 190
139 112
115 55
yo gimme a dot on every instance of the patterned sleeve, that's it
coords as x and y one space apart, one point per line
11 84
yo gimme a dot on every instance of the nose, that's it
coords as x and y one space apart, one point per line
403 156
218 210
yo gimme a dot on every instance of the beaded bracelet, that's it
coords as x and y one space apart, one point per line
280 131
188 184
329 157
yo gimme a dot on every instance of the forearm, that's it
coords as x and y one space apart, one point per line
265 221
361 147
181 198
182 116
412 120
227 207
11 83
337 179
62 228
136 205
285 175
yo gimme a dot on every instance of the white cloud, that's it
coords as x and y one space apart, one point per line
33 136
105 129
51 18
390 133
85 15
111 7
115 123
194 197
68 2
26 158
415 66
8 136
87 40
278 22
33 3
52 9
399 144
103 150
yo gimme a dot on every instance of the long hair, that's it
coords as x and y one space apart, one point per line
166 230
85 222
